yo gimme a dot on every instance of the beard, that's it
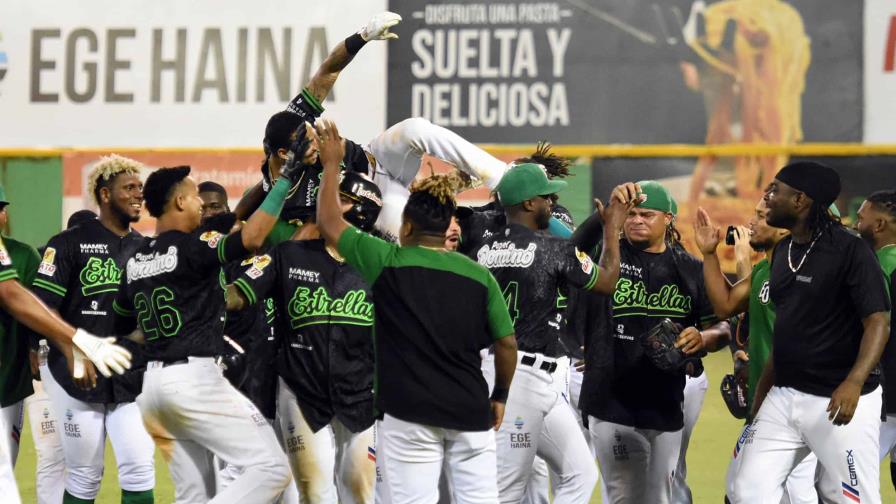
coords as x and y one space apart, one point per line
543 220
124 216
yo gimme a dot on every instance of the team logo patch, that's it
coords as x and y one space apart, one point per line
46 413
518 423
4 255
211 237
259 263
371 454
47 266
585 261
69 415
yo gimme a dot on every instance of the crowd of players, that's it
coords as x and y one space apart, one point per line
349 334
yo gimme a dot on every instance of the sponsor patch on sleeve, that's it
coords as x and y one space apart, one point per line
4 255
47 266
585 261
211 237
259 263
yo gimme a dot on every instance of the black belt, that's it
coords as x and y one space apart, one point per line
529 360
174 363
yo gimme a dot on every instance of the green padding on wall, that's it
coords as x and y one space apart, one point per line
577 196
34 190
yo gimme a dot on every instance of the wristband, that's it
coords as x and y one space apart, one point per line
273 202
500 394
354 43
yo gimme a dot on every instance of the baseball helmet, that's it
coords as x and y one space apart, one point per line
366 198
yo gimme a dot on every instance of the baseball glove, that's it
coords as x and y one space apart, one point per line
734 395
659 345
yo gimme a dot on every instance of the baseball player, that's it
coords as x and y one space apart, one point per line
428 383
324 310
875 222
820 389
170 291
77 345
78 277
531 268
634 406
750 294
45 426
15 380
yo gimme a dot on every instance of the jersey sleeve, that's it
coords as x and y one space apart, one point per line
258 276
368 254
54 273
122 305
499 323
577 268
865 281
212 249
306 106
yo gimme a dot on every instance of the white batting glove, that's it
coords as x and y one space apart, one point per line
103 352
378 27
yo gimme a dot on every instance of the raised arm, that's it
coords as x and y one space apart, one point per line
344 52
329 211
727 300
624 198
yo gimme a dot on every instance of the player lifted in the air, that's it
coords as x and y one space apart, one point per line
170 291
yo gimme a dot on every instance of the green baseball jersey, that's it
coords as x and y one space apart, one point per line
15 373
762 323
887 258
434 311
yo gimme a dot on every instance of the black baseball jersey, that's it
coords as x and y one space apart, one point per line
79 277
530 268
172 289
324 313
651 287
253 329
479 226
820 307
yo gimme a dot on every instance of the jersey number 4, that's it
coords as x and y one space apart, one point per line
156 315
511 296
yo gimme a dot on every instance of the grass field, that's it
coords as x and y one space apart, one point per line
708 456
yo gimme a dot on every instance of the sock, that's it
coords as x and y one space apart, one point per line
68 498
143 497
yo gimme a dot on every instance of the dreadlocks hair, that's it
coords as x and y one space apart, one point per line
673 235
884 201
160 186
109 167
554 165
432 204
821 219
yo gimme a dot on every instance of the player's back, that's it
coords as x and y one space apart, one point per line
172 286
530 268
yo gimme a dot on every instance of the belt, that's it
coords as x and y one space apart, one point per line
530 360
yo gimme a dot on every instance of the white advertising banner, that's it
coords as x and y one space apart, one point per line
880 71
168 73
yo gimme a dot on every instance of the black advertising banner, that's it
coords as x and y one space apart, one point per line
631 71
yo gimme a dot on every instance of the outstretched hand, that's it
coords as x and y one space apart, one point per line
706 234
329 142
378 27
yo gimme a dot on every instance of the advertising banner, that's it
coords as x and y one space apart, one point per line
175 74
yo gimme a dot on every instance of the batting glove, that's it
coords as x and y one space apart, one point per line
103 352
378 27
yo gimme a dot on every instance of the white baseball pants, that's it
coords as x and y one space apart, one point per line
192 413
539 420
637 464
888 439
694 394
83 435
315 457
788 426
45 426
399 150
411 456
800 485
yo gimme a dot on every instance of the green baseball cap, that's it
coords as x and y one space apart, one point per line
674 207
526 181
3 200
658 197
